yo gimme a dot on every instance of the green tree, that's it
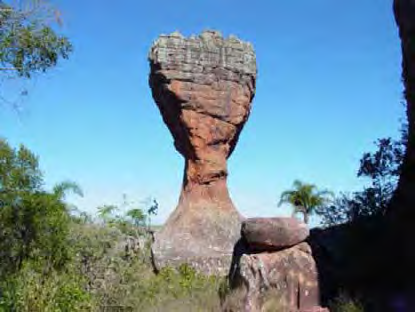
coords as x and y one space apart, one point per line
305 198
33 222
28 43
137 216
382 169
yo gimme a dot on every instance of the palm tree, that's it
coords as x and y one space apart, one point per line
305 198
62 189
105 212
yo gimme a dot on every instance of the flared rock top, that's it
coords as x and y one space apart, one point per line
194 58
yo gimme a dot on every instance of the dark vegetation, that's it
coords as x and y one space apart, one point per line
350 247
381 169
354 253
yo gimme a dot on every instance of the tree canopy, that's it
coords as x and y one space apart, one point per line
28 43
382 168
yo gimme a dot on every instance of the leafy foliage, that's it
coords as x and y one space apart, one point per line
32 221
137 216
34 249
105 212
32 291
382 169
53 261
128 217
344 303
152 210
27 43
117 278
305 198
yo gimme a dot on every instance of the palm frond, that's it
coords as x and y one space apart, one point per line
61 189
305 197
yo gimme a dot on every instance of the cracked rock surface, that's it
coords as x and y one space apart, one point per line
203 86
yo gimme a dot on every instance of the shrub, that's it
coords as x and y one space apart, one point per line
344 303
30 290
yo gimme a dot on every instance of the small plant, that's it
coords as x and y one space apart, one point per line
344 303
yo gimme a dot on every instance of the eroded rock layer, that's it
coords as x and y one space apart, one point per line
203 87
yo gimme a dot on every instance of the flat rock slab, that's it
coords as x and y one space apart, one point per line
269 234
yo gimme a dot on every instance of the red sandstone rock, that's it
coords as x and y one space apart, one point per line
203 87
267 234
290 275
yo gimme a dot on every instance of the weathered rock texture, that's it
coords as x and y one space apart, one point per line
283 280
267 234
203 87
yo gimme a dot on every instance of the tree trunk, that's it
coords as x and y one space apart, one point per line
306 217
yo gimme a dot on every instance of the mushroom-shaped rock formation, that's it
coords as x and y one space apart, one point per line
203 87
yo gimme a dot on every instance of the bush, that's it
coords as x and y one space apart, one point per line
345 303
32 291
52 261
118 278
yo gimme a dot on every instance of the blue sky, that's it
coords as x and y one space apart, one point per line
328 86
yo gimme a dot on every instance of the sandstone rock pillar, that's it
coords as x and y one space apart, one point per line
203 87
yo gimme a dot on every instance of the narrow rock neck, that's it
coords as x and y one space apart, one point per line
206 182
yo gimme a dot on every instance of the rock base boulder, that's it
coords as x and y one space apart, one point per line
203 240
274 280
267 234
